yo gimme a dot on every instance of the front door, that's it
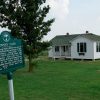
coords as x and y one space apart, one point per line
68 50
65 51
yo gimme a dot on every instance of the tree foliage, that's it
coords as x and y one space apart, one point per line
26 20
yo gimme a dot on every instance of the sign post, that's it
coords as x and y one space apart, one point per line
11 57
10 84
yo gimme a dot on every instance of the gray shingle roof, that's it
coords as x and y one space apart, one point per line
65 39
91 36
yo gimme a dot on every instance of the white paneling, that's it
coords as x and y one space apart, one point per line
90 51
96 54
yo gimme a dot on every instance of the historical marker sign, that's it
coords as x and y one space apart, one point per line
11 53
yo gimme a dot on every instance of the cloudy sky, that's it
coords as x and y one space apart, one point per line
74 16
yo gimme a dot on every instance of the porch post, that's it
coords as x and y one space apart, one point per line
68 51
53 52
60 50
65 51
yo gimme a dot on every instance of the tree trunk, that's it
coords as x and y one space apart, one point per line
30 63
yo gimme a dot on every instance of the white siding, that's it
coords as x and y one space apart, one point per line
96 54
90 51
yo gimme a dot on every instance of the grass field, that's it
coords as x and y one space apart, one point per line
56 80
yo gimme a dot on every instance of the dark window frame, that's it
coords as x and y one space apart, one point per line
57 49
81 48
97 46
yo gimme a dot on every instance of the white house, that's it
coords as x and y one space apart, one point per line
77 46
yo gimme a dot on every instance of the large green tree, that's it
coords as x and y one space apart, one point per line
26 20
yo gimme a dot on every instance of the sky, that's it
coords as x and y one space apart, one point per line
73 17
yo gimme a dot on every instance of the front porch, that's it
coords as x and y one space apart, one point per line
62 51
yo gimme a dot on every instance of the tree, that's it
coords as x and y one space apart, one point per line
26 20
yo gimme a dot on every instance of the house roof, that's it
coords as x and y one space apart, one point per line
65 39
91 36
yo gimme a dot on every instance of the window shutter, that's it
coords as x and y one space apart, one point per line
77 47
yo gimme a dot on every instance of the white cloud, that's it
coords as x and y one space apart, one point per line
59 8
98 18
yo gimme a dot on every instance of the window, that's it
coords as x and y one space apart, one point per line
81 47
97 47
56 48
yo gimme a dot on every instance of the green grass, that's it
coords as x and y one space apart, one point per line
56 80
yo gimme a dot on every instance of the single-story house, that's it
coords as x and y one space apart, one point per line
76 46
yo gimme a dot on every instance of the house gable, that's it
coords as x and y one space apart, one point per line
79 53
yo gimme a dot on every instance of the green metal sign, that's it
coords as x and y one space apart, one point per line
11 53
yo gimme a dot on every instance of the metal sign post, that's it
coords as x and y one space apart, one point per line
10 84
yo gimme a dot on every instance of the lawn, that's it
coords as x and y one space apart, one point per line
56 80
